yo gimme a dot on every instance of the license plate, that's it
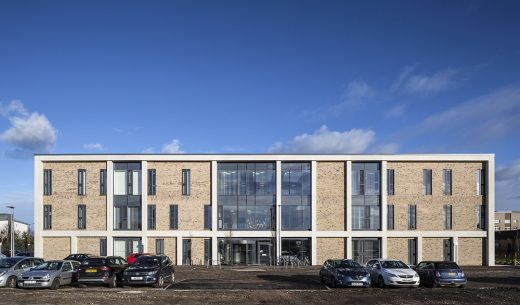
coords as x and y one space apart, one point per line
91 270
357 284
30 282
407 280
451 273
136 278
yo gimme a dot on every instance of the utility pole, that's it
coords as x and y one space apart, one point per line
12 230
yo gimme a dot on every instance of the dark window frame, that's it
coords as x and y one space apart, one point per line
390 217
103 182
152 217
82 182
174 217
447 216
152 182
103 247
412 217
186 182
47 217
159 246
447 174
207 217
82 216
390 191
427 182
47 182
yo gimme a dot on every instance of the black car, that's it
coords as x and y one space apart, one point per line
106 270
150 270
441 273
344 272
78 257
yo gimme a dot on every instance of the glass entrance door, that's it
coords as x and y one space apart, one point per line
264 253
364 250
124 246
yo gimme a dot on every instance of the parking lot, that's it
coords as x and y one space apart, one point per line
251 285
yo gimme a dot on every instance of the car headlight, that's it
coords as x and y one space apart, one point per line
416 274
152 272
46 277
391 274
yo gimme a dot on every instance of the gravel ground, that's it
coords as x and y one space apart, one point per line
198 285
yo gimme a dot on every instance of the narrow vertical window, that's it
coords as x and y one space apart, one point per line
481 182
186 182
207 217
102 247
220 210
390 220
82 182
446 216
390 181
207 252
152 217
446 181
174 217
412 217
47 217
412 251
427 181
47 182
152 176
481 217
82 215
159 246
103 182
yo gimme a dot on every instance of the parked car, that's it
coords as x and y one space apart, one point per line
18 253
390 272
133 256
150 270
12 267
106 270
344 272
50 274
437 273
78 257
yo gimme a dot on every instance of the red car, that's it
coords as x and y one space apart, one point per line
132 257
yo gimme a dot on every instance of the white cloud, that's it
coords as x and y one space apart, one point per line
324 140
390 148
94 146
429 84
397 111
30 132
174 147
357 94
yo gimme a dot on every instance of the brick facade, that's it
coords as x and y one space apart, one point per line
330 196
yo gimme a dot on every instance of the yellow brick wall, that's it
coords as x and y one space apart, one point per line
89 245
170 247
397 248
330 196
470 251
56 247
329 248
432 249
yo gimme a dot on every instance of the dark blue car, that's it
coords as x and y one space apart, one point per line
436 274
344 272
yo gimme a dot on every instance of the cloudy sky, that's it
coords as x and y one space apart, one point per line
258 77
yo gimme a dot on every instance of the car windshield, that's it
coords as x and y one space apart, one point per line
446 265
94 262
147 261
9 262
49 266
394 265
347 264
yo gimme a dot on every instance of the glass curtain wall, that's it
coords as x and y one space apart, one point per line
127 196
296 196
366 249
296 250
246 195
366 199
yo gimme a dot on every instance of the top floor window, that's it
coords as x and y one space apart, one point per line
390 182
236 179
47 182
152 182
127 178
82 182
427 181
365 179
186 181
481 181
446 181
103 182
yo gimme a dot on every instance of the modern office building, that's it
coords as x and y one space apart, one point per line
19 226
259 209
507 221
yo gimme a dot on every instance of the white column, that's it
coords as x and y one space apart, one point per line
349 247
455 248
214 250
384 218
38 207
179 250
490 211
419 249
348 195
73 245
144 205
314 245
110 202
214 210
278 208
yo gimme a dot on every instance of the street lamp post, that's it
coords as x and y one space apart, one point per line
12 230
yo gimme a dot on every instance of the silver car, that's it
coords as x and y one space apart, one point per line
392 272
12 267
51 274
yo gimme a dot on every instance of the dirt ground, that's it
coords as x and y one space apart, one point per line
199 285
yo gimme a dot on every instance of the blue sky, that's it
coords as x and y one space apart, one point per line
257 77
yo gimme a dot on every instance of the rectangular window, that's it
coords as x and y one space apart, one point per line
82 182
447 254
47 217
47 182
412 251
207 252
481 182
152 182
390 219
446 181
481 217
103 182
159 246
446 216
82 216
412 217
389 181
102 247
296 196
186 182
152 218
366 199
207 217
127 179
427 181
174 217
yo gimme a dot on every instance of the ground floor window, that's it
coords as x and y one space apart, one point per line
251 251
365 249
125 246
296 251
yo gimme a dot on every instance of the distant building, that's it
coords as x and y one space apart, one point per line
19 226
507 221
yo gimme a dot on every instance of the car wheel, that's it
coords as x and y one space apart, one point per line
160 282
11 282
55 284
381 282
113 282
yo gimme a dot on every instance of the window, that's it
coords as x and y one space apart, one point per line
152 176
412 251
446 216
447 247
207 217
186 182
47 182
127 218
481 217
446 182
481 182
389 181
103 182
390 219
82 216
364 250
47 217
366 200
127 179
412 217
174 217
102 247
152 218
296 196
82 182
207 252
159 246
427 181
